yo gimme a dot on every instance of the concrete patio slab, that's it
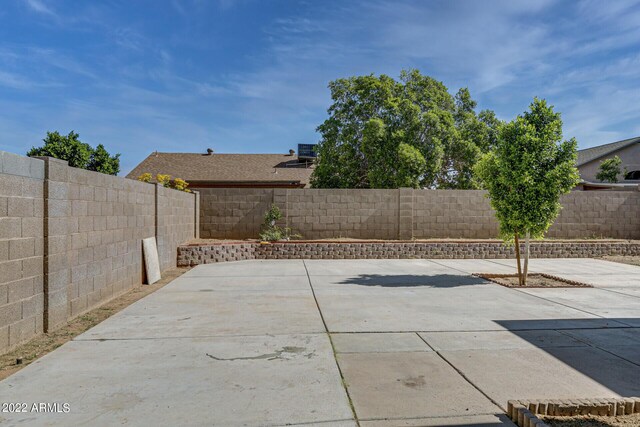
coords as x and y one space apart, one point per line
233 381
630 291
248 283
471 266
408 385
252 268
324 267
627 352
419 267
442 279
605 338
198 314
498 340
471 420
348 306
594 301
378 343
351 423
574 266
552 372
244 343
609 280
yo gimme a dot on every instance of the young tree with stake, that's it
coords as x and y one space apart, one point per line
526 174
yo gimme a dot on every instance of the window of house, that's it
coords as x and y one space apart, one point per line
633 175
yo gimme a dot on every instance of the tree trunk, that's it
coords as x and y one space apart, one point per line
518 259
526 258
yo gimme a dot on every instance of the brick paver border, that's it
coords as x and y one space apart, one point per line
525 412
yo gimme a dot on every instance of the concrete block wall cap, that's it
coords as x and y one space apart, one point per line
14 164
51 159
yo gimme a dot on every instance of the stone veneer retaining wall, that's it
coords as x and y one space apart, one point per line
70 240
236 213
195 254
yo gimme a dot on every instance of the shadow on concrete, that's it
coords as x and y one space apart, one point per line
609 356
501 420
414 280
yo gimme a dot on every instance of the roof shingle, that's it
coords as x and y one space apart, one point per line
589 154
220 168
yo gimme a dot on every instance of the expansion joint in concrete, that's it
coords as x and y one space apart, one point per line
467 379
333 349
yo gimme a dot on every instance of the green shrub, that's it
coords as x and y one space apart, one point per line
272 232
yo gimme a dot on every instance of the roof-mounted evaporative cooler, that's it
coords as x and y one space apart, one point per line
307 152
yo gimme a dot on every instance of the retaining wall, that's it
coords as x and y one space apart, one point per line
236 213
70 240
207 253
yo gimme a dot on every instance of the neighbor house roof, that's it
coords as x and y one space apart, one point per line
589 154
226 168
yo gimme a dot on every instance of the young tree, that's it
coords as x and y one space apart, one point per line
609 170
383 133
77 153
526 173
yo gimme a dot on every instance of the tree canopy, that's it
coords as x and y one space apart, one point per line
527 171
609 170
79 154
383 133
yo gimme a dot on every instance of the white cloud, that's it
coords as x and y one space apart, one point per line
40 7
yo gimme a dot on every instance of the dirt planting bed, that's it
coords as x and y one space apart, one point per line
535 280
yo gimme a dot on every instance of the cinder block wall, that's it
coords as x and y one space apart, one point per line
70 240
21 248
96 224
452 214
406 214
233 213
597 214
318 214
176 223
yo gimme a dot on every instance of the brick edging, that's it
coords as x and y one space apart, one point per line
194 254
569 282
524 412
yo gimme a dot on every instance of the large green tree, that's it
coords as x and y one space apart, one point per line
476 135
79 154
384 133
526 173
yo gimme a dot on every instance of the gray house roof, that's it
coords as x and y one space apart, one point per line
589 154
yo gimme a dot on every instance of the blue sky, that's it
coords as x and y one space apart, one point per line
251 76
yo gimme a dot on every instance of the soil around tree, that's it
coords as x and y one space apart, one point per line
592 421
45 343
534 280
